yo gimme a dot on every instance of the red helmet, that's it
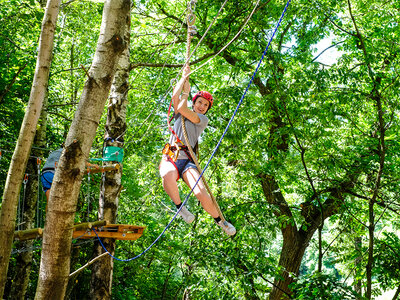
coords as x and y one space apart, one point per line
206 95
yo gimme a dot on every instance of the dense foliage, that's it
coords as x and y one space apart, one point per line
324 128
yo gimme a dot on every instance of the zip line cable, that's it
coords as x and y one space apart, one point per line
158 50
213 153
230 42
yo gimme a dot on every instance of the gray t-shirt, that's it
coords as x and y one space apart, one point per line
194 130
52 159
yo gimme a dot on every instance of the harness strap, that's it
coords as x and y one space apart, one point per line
168 158
173 151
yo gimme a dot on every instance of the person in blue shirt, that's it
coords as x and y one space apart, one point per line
49 169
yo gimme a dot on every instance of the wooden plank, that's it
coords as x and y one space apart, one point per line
113 231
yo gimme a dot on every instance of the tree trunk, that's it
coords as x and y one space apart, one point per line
24 260
396 294
358 264
55 260
292 253
295 241
25 139
102 270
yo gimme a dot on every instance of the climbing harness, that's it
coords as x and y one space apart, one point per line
215 149
171 154
172 151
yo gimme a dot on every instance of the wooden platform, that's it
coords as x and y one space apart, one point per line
113 231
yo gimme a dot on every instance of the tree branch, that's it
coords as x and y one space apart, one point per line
87 264
9 86
340 28
326 49
362 44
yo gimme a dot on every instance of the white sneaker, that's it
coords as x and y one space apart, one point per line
227 227
186 215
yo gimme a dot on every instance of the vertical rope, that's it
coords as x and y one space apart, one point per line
38 162
88 197
21 204
190 24
19 212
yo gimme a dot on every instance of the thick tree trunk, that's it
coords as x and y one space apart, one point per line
102 270
24 260
357 264
292 253
295 241
55 262
25 139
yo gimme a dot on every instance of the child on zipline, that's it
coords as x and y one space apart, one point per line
183 167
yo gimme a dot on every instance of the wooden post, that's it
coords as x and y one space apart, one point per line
89 225
23 235
102 169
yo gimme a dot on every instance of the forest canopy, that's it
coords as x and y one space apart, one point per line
308 171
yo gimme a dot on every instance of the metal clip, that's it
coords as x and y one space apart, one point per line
176 154
191 18
192 5
168 151
173 82
193 30
25 179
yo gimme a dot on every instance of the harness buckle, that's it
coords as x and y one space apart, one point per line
171 151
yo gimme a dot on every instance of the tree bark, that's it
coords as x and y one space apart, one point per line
55 260
25 139
357 264
24 260
102 270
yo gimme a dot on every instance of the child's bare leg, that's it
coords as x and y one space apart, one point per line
191 176
169 174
